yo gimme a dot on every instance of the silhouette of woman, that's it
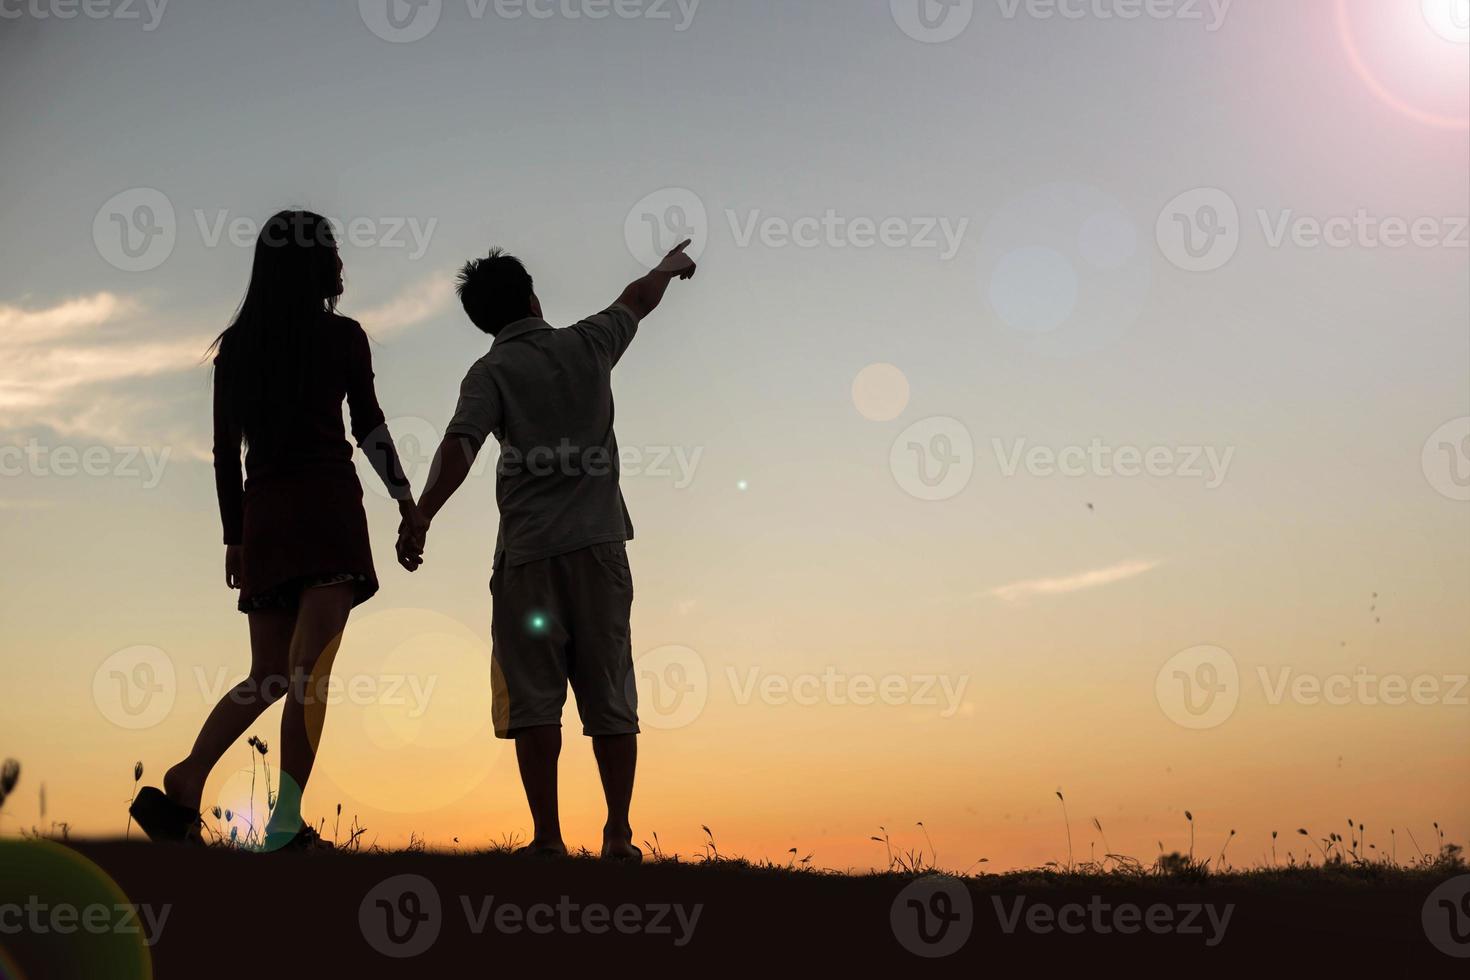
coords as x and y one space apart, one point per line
296 537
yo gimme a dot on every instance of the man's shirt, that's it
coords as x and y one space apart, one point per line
546 396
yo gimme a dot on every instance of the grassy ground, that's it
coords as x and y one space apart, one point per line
126 908
223 912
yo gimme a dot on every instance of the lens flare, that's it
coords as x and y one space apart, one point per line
1440 18
1450 19
53 877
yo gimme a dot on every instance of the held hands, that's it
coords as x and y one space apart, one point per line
413 533
677 264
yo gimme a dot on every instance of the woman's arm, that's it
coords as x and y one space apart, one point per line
229 482
369 427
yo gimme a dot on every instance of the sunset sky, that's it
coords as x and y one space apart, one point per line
1067 401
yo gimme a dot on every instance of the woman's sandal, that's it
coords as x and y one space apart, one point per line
162 819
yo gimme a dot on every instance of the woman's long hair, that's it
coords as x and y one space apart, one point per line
261 357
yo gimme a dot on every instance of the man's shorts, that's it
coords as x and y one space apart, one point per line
558 620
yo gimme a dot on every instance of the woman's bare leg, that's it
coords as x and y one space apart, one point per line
320 619
270 645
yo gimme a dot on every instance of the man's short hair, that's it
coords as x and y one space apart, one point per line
496 291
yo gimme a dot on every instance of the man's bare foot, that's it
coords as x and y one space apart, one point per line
542 849
617 845
621 851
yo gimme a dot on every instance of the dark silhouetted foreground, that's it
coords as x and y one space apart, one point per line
228 913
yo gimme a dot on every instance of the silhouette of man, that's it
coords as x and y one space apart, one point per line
561 585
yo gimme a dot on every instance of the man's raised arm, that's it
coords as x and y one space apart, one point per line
643 295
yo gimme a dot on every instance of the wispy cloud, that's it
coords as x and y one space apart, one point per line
1031 588
59 365
21 326
68 367
414 304
36 377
